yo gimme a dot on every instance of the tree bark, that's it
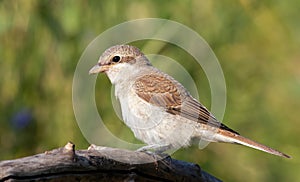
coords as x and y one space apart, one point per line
100 164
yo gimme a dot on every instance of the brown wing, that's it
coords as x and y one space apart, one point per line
164 91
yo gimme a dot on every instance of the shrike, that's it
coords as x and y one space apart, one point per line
158 109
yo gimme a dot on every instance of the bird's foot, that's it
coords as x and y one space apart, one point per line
155 150
158 149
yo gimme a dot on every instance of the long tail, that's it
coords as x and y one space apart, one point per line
227 136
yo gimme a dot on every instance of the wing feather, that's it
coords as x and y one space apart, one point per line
166 92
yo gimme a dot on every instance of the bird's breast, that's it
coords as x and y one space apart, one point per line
137 113
151 123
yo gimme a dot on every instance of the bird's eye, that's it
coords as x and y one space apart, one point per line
116 59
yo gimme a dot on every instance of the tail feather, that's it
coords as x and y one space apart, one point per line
228 136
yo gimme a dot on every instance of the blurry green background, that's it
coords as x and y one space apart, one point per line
257 44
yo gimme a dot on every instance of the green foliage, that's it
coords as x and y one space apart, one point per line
256 42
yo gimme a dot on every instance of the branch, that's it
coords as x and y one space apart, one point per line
100 163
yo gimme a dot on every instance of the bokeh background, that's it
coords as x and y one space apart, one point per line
256 42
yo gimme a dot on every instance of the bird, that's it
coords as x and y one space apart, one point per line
158 109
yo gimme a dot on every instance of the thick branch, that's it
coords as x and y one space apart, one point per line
100 163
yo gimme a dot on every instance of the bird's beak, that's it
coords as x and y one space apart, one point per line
98 69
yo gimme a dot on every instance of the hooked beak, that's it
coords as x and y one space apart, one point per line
98 69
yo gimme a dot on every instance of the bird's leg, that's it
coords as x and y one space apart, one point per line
158 151
157 148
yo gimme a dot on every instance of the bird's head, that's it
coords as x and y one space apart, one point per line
119 57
